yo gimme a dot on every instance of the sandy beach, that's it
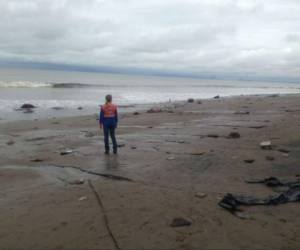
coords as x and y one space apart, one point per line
59 191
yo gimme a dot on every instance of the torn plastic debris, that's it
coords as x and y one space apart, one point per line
232 202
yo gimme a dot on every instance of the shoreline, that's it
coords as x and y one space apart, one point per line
175 163
125 109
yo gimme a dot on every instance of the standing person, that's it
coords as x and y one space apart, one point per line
108 121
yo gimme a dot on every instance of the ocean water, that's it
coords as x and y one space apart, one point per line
69 90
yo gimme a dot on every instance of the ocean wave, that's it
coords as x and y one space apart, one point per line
73 85
36 84
24 84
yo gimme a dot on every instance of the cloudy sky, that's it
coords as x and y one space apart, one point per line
232 36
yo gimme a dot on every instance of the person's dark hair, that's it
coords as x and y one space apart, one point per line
108 98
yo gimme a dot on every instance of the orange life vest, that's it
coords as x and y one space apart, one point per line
109 110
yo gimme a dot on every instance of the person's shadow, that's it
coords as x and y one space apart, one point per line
111 162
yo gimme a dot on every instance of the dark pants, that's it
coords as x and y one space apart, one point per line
110 130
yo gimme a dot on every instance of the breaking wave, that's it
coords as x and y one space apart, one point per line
36 84
24 84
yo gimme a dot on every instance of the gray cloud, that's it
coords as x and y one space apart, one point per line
253 36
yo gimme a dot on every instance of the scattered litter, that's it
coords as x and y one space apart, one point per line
36 139
190 100
198 153
266 145
133 147
57 108
121 145
285 155
234 135
232 202
90 134
27 106
217 97
82 198
212 135
37 160
80 108
180 222
242 113
201 195
249 160
10 142
270 158
283 150
136 113
171 158
66 152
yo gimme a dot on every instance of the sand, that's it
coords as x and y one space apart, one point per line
175 163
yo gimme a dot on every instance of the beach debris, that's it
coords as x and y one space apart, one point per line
133 147
232 202
249 160
77 182
243 216
10 142
36 139
37 160
82 198
198 153
27 106
269 158
171 158
80 108
258 127
57 108
177 141
90 134
67 151
180 222
200 195
216 97
266 145
285 155
283 150
275 95
199 102
121 145
212 135
190 100
154 110
234 135
136 113
242 113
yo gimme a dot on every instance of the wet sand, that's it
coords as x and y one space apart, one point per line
175 163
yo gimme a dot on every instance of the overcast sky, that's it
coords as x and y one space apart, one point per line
250 36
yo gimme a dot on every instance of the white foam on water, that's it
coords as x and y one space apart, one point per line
24 84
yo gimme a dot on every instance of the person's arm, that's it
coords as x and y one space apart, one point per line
116 117
101 118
